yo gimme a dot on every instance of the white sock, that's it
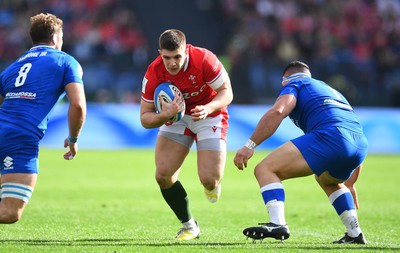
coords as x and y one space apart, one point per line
190 223
350 220
276 211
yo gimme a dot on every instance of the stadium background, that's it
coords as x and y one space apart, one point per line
353 45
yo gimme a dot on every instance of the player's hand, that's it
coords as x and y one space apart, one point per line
242 156
180 101
200 112
353 191
73 149
169 110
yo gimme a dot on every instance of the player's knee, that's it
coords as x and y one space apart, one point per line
163 181
209 183
258 171
159 179
262 171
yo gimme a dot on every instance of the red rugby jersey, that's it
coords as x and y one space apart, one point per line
201 74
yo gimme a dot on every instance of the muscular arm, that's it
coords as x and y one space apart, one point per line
77 108
76 116
223 98
266 127
151 119
271 120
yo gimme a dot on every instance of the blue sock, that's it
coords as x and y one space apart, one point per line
342 200
274 197
273 191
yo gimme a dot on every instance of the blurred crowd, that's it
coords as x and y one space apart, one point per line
103 35
353 45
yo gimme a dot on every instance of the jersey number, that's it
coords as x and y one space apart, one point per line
22 74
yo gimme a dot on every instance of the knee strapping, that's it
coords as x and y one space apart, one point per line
16 191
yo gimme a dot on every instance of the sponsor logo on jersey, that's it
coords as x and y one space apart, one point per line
194 93
21 94
337 103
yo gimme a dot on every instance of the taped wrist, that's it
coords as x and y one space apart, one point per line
250 144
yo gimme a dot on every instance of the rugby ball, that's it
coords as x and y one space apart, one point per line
166 91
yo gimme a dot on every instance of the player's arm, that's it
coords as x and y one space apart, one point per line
266 127
151 119
223 98
271 120
76 116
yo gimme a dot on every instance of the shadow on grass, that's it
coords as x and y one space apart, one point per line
91 242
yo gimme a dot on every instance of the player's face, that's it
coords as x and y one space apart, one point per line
174 60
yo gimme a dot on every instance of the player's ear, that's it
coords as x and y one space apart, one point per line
55 39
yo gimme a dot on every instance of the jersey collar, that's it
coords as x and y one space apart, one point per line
187 62
295 76
40 46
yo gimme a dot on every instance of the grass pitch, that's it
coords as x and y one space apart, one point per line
108 201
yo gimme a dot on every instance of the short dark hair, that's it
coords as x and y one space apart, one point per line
172 39
43 28
297 65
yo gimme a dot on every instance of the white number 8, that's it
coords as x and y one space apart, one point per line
23 72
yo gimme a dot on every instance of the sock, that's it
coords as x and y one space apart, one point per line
178 201
274 198
343 202
190 223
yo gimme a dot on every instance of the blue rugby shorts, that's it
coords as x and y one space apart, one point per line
336 150
18 156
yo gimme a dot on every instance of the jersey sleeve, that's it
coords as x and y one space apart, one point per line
214 72
74 71
291 89
149 84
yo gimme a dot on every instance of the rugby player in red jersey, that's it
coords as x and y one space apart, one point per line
206 90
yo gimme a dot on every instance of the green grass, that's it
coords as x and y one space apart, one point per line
108 201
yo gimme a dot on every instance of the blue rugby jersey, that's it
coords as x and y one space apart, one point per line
319 106
31 87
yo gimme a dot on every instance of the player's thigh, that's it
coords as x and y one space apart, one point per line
169 154
211 159
211 164
17 189
286 162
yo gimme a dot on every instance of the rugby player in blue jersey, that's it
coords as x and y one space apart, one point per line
29 89
333 148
